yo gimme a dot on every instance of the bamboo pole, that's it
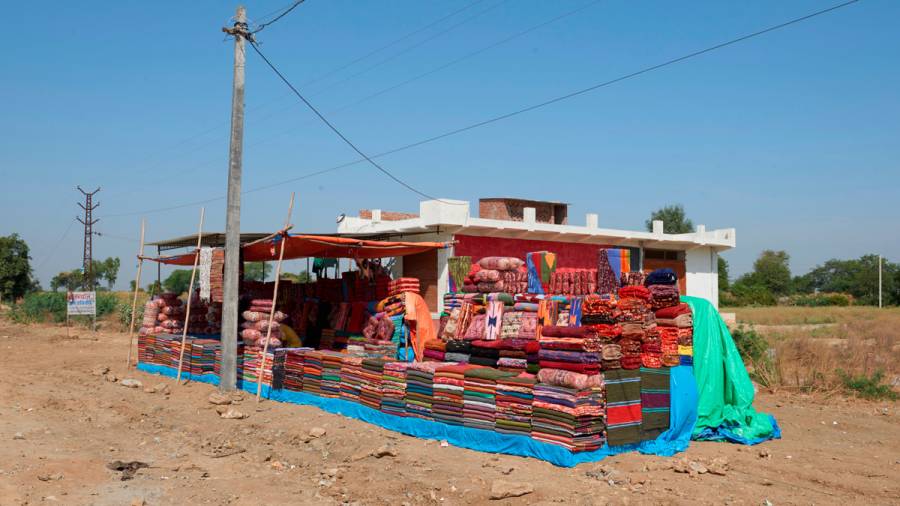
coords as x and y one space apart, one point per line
262 360
187 311
137 287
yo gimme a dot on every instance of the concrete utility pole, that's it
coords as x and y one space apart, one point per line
87 258
879 281
228 371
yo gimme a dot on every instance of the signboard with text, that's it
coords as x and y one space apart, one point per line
81 303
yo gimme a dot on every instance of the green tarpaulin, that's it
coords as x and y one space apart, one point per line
725 409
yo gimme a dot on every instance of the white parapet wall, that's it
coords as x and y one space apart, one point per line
702 273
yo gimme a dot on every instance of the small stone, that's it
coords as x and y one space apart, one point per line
137 501
219 399
697 467
504 489
233 414
718 466
764 454
131 383
111 378
18 435
100 370
384 451
317 432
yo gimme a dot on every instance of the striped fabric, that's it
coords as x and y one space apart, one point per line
655 402
623 406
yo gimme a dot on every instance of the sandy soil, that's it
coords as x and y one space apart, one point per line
61 425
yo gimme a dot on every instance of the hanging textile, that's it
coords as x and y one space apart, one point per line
205 264
459 269
576 309
620 261
494 320
548 312
541 266
607 281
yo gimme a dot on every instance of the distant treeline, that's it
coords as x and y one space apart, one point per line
835 283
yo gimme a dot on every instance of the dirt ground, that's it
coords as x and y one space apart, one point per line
61 426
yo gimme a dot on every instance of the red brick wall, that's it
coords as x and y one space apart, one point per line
513 210
366 214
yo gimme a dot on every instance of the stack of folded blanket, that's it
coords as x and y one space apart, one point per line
479 397
449 384
485 353
655 402
497 274
331 373
393 388
532 357
458 350
402 285
312 372
663 287
568 410
623 406
515 395
293 368
634 317
675 324
420 389
351 378
371 384
435 350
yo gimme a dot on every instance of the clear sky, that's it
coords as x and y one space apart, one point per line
791 137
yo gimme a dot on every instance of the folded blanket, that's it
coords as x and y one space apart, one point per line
576 357
634 292
569 379
673 311
576 332
579 368
500 263
663 276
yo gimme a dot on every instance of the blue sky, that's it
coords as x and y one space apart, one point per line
790 137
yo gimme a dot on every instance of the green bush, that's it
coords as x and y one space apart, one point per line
867 387
754 348
820 299
125 315
51 307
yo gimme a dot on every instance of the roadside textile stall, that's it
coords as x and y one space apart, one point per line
612 362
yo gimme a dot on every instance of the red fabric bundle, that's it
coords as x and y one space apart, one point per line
630 361
495 345
605 330
576 332
589 369
634 292
673 311
651 361
532 347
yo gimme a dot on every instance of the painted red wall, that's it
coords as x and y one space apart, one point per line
569 255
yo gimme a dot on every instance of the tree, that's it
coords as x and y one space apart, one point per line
178 282
301 277
15 269
72 280
771 271
857 277
110 270
674 219
257 271
723 274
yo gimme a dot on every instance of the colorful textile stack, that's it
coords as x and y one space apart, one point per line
449 384
252 360
435 350
371 384
148 325
200 357
635 316
663 286
420 389
326 341
573 281
331 373
623 406
256 324
675 325
568 410
541 266
164 315
403 285
480 396
573 349
493 274
485 353
511 324
351 378
293 368
655 402
458 351
393 388
312 372
476 329
514 404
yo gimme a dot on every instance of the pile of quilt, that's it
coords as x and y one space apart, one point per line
568 410
331 373
515 395
351 378
480 396
655 402
312 372
675 325
449 385
256 325
393 388
635 318
420 389
403 285
371 384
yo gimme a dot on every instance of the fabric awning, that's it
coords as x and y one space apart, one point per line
186 259
303 246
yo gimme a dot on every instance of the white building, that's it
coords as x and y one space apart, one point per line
510 226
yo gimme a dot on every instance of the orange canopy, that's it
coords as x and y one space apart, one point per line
323 246
186 259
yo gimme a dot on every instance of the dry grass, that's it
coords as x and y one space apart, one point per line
859 340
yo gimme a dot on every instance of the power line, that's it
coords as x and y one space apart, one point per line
310 82
283 14
519 111
55 247
333 128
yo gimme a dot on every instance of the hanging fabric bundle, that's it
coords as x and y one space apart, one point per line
541 266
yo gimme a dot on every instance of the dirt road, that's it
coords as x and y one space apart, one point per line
61 426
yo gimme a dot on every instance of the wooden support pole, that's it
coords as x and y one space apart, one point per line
137 287
262 360
187 311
